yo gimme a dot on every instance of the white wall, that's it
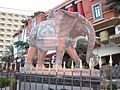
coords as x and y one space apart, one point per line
106 50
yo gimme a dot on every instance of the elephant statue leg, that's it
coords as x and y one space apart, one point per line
30 55
72 52
41 57
59 55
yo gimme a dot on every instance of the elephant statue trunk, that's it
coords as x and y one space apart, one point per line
91 42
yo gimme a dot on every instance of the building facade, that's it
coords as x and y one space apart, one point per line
20 35
106 25
23 33
9 24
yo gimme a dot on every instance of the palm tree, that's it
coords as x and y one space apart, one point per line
22 45
9 54
113 4
8 57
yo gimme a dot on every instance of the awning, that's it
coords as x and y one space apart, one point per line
106 50
50 53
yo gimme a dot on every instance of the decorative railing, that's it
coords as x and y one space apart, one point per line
58 79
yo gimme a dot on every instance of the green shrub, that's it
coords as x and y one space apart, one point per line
15 85
5 81
114 86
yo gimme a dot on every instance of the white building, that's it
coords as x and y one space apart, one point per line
9 24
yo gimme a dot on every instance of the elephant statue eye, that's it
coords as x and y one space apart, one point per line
33 32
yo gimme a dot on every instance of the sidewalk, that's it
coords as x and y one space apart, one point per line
45 87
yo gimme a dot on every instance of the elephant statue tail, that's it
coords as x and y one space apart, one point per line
91 42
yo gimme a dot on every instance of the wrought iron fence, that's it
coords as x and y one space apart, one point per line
57 79
49 81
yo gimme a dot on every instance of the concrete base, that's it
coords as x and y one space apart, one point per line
76 72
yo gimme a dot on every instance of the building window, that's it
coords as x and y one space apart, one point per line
117 29
118 32
33 23
97 11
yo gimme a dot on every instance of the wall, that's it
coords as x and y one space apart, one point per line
88 11
40 17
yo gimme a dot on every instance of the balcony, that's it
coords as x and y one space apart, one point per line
15 29
8 28
2 32
16 18
2 16
2 27
1 38
1 55
115 38
1 49
15 23
9 22
109 14
108 23
7 44
21 23
8 38
8 33
9 17
1 43
2 22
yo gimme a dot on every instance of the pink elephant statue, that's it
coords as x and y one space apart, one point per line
58 33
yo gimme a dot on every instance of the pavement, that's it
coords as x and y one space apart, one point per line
52 87
45 87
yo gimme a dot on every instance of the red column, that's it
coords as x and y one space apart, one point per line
71 8
80 8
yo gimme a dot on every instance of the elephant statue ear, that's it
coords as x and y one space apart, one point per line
64 22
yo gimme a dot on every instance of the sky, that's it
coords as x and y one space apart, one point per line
29 5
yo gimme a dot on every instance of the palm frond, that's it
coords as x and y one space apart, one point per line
9 54
26 45
108 2
112 6
117 7
11 49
